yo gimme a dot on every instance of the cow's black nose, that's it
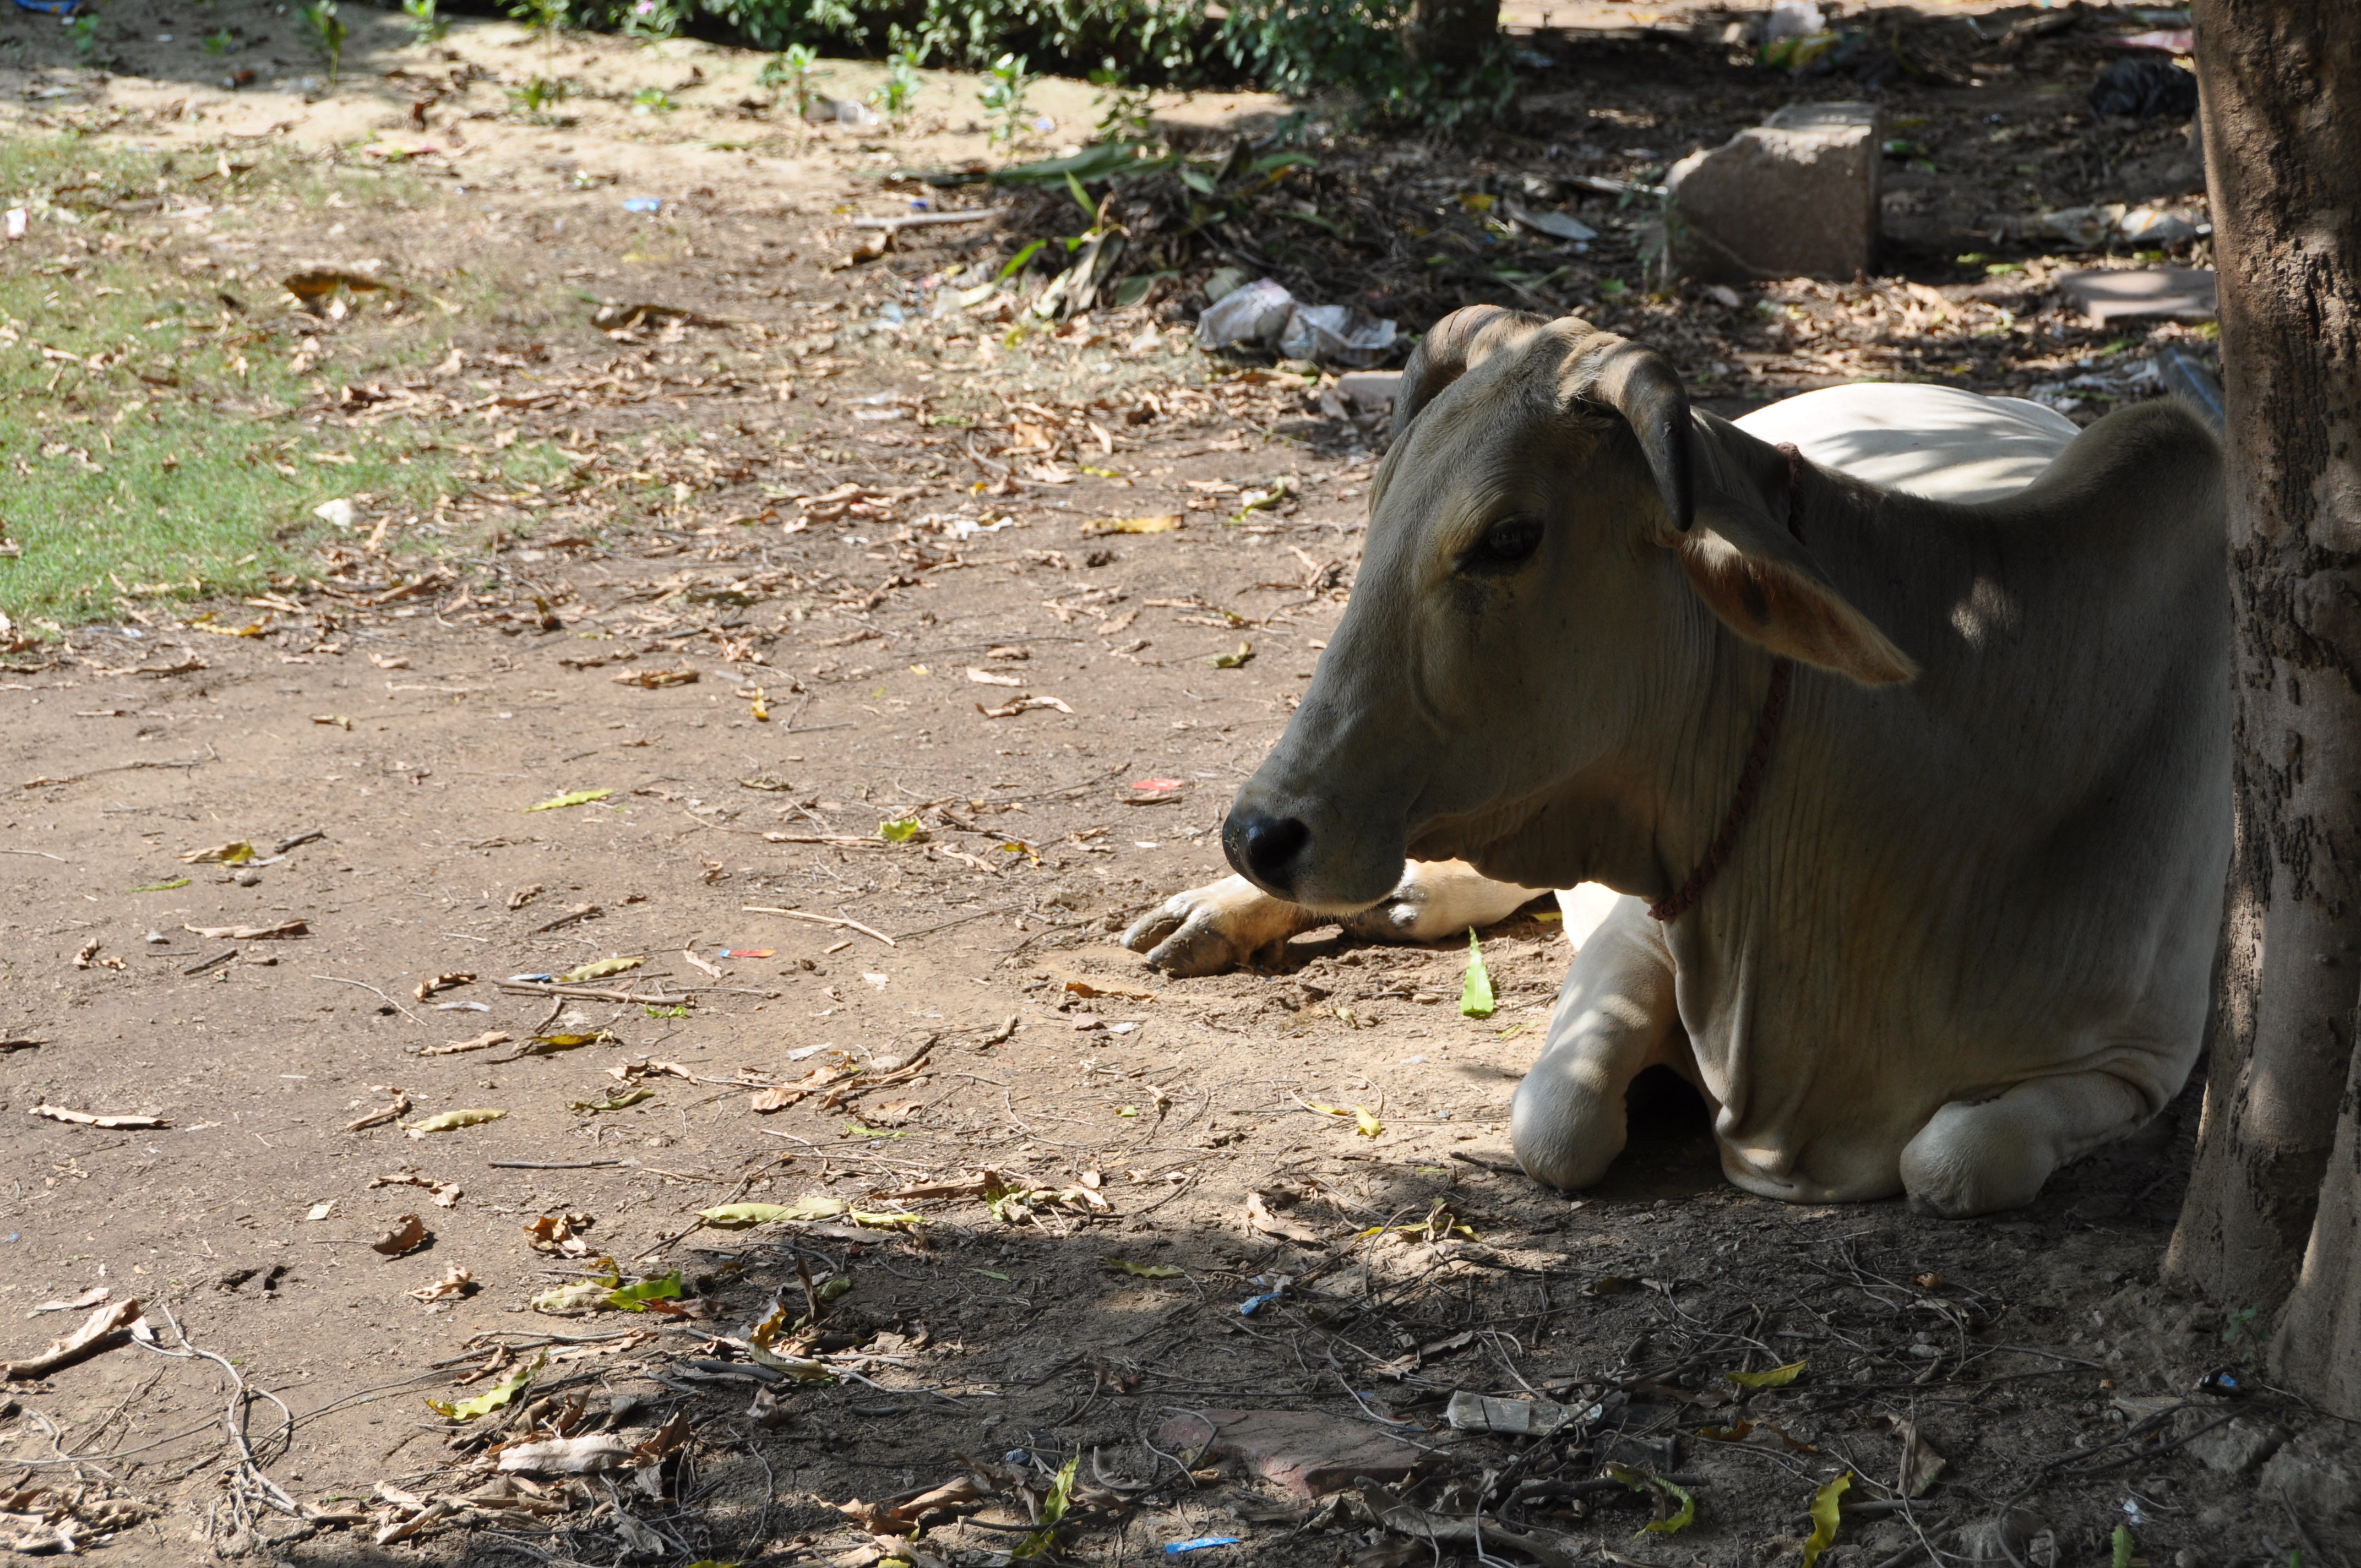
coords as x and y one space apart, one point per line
1266 848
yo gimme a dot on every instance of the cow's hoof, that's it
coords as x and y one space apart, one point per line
1975 1159
1209 929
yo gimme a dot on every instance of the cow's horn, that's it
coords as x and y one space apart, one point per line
1641 385
1454 345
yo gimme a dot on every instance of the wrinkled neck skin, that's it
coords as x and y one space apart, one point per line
1638 818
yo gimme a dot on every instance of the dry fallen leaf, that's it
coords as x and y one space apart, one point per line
986 679
1163 523
1101 985
652 679
98 1332
451 1121
435 982
1011 708
236 853
407 1235
388 660
446 1193
482 1042
1260 1218
251 933
455 1281
83 1118
560 1234
399 1107
524 896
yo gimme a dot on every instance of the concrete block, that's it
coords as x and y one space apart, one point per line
1795 196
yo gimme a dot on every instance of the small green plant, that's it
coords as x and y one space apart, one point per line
794 69
1003 97
83 29
327 30
651 20
545 18
426 21
222 42
652 101
1123 108
536 96
2245 1332
900 87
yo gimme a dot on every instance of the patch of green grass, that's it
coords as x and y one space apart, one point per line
160 431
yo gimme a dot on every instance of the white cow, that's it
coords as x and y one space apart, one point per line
1960 930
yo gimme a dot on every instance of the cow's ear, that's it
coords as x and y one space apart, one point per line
1454 345
1752 571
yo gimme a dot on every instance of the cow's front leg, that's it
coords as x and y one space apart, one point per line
1218 927
1615 1017
1974 1158
1232 922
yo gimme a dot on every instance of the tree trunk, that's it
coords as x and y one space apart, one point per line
1451 32
2273 1217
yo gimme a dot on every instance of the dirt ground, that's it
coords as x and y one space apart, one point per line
1051 1203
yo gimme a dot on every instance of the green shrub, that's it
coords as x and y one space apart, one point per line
1293 47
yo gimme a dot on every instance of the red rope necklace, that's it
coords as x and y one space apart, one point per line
1766 735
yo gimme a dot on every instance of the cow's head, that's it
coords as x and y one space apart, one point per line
1555 542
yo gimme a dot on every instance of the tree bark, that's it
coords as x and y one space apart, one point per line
2273 1216
1451 32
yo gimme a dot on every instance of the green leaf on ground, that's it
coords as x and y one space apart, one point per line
1649 1484
1824 1518
634 1297
491 1398
1143 1270
1053 1510
572 797
1475 991
1776 1377
738 1216
629 1097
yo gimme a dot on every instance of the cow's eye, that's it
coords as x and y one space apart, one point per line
1508 542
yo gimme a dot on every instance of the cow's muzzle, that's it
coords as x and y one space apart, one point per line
1269 851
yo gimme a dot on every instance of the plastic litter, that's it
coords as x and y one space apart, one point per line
1523 1417
2143 89
337 513
1792 19
2153 227
1253 1304
62 9
1175 1548
1336 334
1253 314
1263 314
840 111
643 203
17 217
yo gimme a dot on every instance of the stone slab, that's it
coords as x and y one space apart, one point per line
1794 197
1370 391
2176 293
1308 1453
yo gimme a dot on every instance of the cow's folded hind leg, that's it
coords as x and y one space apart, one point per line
1436 899
1615 1018
1974 1158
